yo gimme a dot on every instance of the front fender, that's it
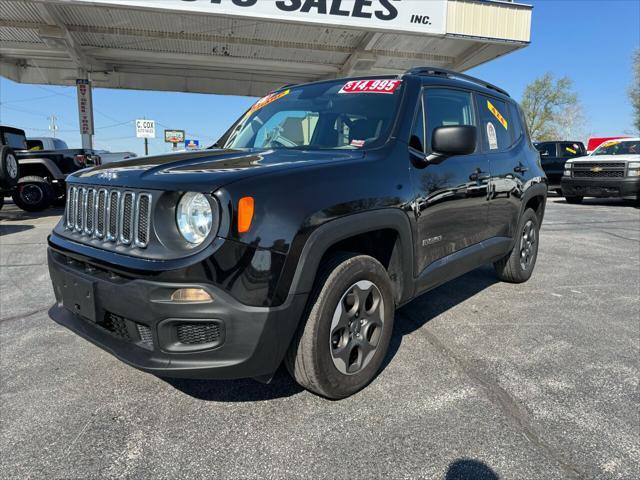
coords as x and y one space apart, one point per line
332 232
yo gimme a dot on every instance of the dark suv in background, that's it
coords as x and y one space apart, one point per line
324 208
554 155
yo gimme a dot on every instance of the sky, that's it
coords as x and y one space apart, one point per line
591 41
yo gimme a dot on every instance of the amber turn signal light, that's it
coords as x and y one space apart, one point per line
191 295
245 214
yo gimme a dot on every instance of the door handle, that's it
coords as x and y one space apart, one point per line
520 169
479 176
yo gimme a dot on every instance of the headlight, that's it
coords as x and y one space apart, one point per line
567 169
195 218
633 169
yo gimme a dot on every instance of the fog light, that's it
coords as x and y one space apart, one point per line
191 295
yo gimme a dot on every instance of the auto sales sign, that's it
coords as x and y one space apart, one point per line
420 16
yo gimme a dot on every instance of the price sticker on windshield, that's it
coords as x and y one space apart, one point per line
371 86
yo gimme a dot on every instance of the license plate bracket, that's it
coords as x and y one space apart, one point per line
78 295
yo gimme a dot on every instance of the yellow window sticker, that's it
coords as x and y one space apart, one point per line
497 114
570 150
610 143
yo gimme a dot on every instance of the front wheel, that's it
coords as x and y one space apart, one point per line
33 194
344 338
518 266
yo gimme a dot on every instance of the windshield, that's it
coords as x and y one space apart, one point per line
329 115
618 147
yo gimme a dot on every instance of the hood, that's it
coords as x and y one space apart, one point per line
204 171
605 158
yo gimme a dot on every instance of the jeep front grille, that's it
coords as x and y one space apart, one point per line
111 215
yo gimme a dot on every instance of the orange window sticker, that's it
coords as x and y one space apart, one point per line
272 97
497 114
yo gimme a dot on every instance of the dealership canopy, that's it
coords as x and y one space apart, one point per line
247 47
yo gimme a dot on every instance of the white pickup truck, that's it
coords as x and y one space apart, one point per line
612 170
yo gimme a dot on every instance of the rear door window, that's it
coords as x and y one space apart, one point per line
570 150
517 130
35 145
494 124
546 149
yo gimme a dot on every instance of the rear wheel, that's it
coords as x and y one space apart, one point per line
518 266
340 347
33 194
574 200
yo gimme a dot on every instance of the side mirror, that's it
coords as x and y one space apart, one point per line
451 141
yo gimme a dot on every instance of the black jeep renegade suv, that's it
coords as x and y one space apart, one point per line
296 236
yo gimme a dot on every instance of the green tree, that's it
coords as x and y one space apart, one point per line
634 91
545 103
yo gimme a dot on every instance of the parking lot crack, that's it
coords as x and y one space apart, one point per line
25 315
621 237
512 409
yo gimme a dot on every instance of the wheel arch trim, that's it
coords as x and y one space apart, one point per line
335 231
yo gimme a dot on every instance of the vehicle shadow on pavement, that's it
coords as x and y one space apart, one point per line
427 306
408 319
9 229
246 390
11 213
467 469
599 202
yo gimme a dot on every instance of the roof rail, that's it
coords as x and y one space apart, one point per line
437 71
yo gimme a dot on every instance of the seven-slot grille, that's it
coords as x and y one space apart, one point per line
598 170
111 215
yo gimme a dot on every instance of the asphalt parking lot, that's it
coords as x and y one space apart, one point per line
484 380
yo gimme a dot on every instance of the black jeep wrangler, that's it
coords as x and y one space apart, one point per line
42 173
322 209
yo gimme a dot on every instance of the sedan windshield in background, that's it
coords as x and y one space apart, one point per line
328 115
618 147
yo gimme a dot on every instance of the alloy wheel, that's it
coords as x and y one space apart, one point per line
527 245
356 327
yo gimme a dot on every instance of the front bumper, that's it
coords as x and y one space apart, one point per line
601 187
134 320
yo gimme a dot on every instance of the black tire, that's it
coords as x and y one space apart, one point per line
9 168
518 266
574 200
1 200
559 191
33 194
311 360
